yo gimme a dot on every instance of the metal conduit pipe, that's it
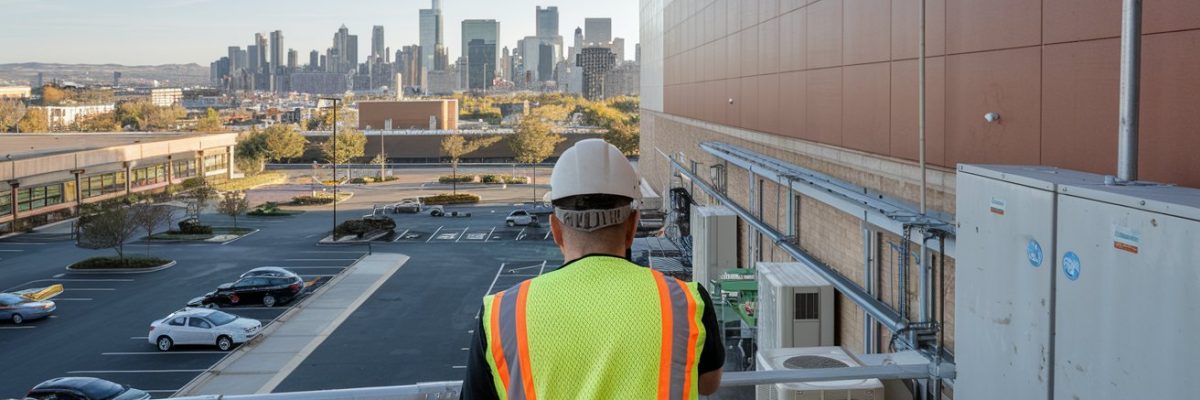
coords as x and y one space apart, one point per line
869 282
1131 66
877 309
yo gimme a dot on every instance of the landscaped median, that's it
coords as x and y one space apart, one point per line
219 234
320 199
251 182
271 209
450 199
130 264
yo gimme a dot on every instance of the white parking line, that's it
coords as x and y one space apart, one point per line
139 371
439 229
332 252
17 327
93 289
72 299
139 353
140 338
64 280
161 391
10 250
318 275
401 236
521 234
460 236
459 366
493 285
543 268
318 266
547 235
489 236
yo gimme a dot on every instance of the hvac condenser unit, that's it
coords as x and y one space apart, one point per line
815 358
795 307
714 243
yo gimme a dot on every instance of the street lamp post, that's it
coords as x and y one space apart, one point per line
334 160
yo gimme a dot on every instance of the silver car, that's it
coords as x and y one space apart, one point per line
18 309
203 327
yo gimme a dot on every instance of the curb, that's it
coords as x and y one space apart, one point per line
205 241
239 237
120 270
366 239
241 351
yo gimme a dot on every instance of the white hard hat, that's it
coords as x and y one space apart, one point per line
592 166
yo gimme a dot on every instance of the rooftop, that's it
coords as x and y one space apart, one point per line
25 146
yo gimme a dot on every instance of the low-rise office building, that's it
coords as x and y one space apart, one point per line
54 174
439 114
15 92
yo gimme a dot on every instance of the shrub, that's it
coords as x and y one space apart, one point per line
366 180
359 227
511 180
311 200
116 262
458 179
250 182
191 226
446 198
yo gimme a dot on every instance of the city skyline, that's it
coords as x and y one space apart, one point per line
197 31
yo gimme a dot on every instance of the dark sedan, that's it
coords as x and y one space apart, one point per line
84 388
265 290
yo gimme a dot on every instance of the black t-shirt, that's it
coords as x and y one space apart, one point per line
479 384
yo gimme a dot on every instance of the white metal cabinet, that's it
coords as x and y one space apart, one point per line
1004 279
1127 293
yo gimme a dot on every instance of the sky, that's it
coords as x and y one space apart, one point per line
153 32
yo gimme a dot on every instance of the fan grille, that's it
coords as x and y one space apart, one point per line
813 362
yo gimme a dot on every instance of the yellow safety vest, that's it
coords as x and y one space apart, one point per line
601 328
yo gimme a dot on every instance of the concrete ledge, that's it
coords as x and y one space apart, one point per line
261 365
121 270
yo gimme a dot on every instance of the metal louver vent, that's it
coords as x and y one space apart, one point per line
813 362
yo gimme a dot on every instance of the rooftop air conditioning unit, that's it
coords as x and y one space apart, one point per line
815 358
795 307
714 243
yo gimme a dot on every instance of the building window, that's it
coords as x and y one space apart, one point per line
99 185
184 168
5 203
215 162
148 175
38 197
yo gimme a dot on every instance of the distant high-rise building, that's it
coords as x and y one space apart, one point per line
487 30
378 49
253 64
595 61
481 64
39 80
547 21
618 47
505 61
314 61
637 53
597 31
235 58
431 35
408 65
260 53
338 57
576 45
441 58
277 52
352 52
292 60
117 78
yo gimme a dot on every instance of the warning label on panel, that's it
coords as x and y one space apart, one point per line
998 206
1126 239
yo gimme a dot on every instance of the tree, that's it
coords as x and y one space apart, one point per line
533 142
210 122
283 142
52 95
250 151
201 196
150 216
233 204
455 146
11 112
350 145
381 161
110 228
105 122
35 120
624 136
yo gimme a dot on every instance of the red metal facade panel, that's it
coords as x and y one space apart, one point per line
906 28
1079 105
1075 20
866 31
1005 82
904 111
1170 130
824 36
866 107
978 25
824 102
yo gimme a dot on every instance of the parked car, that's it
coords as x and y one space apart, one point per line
521 217
269 271
439 211
28 304
84 388
203 327
265 290
409 206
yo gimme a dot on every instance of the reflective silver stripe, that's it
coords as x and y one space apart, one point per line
681 332
508 341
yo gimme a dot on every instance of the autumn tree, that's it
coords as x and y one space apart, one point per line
109 228
456 146
350 144
11 112
210 122
150 216
534 142
52 96
233 204
104 122
201 196
276 143
35 120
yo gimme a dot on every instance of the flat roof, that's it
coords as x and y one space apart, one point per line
33 145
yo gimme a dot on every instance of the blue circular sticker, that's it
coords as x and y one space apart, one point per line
1033 250
1071 265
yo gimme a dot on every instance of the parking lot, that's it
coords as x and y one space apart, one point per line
415 328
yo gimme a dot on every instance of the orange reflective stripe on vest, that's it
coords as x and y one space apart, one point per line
510 346
679 338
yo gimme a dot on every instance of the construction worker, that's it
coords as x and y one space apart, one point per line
600 326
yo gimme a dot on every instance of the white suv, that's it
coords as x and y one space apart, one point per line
204 327
521 217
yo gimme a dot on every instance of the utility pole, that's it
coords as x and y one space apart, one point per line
333 137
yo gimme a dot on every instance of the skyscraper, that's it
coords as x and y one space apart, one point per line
547 21
292 60
352 52
277 52
431 35
595 61
576 46
618 48
337 57
481 64
252 64
234 63
487 30
314 61
597 30
378 49
260 43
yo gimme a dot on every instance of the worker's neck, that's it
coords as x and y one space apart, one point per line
575 253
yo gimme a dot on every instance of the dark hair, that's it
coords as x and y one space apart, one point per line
585 202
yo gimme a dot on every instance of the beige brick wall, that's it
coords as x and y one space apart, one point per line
830 235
